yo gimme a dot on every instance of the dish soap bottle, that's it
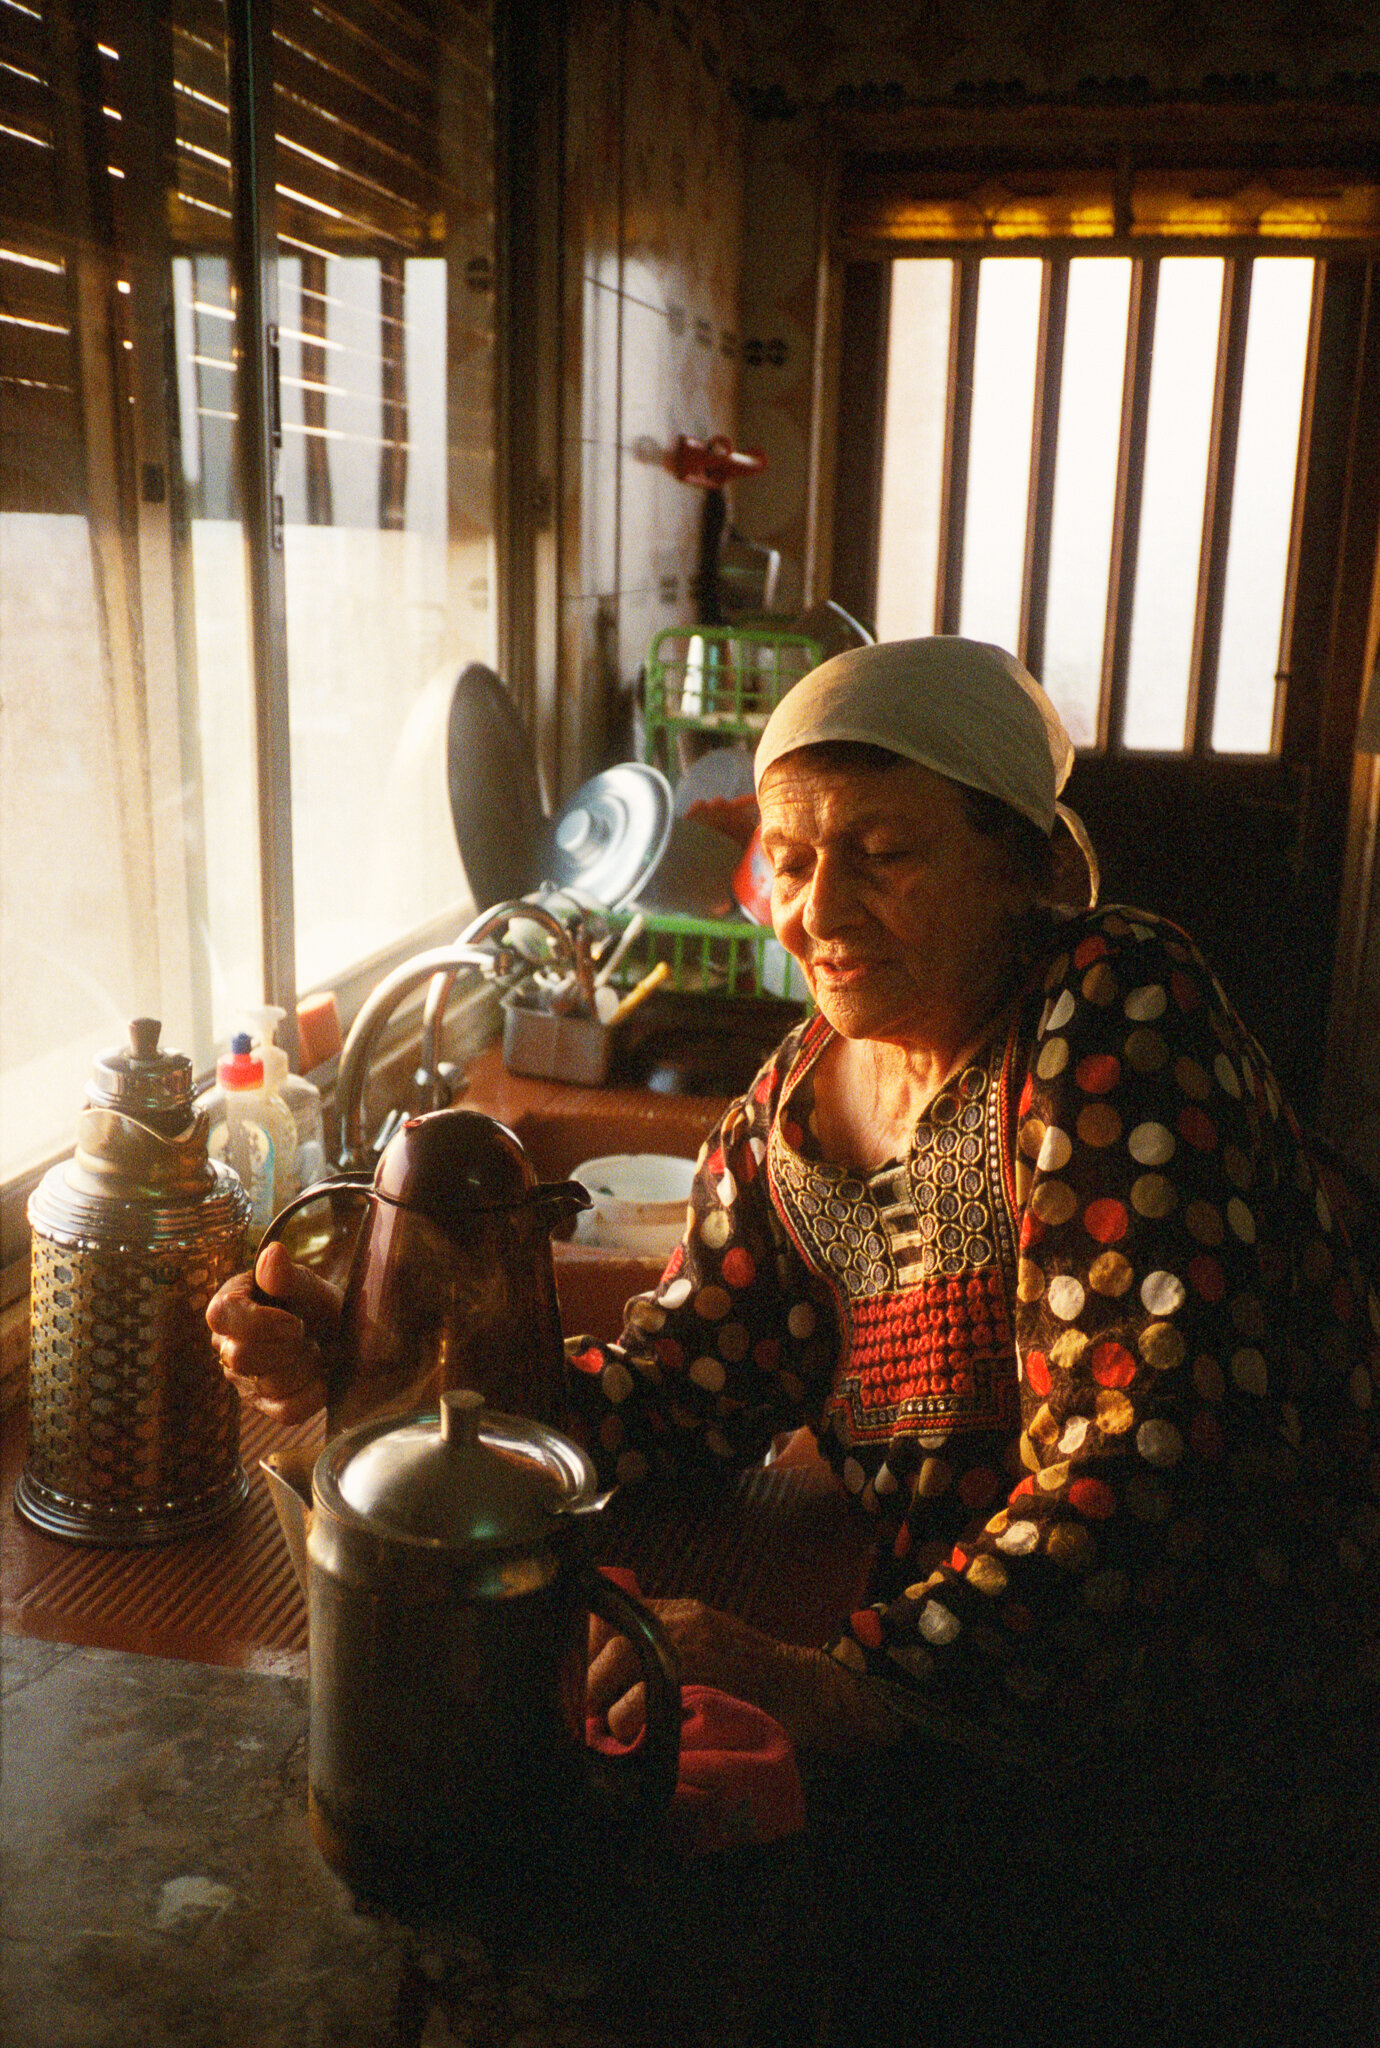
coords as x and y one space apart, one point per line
302 1097
260 1136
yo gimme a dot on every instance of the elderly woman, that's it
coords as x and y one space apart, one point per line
1018 1224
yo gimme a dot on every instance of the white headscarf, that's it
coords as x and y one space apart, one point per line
961 707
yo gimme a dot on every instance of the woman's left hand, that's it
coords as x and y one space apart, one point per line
818 1702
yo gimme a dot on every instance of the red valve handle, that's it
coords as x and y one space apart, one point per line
713 463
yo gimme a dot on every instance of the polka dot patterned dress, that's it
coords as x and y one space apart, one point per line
1094 1354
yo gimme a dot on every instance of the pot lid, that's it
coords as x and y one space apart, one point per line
607 839
495 797
469 1476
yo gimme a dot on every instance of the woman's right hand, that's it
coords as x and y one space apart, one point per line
275 1355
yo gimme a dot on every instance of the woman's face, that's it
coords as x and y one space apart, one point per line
898 910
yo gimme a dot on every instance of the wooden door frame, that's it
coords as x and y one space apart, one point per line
1330 628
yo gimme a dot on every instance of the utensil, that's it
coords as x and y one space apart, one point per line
133 1431
495 794
632 931
451 1281
653 980
450 1590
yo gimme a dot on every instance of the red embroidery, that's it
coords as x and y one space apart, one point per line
943 1351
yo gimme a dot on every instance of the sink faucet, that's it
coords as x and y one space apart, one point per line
506 967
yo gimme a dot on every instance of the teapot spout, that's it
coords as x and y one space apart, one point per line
289 1479
557 1202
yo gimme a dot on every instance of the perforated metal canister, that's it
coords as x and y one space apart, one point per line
133 1431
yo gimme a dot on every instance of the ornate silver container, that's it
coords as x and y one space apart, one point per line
133 1431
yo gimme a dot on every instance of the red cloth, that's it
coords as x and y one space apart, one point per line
739 1782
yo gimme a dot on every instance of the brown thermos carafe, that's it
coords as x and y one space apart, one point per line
451 1282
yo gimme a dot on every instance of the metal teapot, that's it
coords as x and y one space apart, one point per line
451 1281
449 1590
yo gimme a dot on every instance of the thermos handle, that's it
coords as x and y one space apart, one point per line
346 1184
649 1772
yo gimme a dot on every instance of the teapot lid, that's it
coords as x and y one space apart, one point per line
453 1161
468 1476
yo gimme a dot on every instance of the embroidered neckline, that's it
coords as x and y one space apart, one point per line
986 1060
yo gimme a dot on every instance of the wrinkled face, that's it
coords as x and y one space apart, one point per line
898 910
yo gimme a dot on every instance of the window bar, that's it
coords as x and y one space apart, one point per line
958 420
1284 663
1044 439
148 53
320 508
1221 472
393 395
253 148
1130 478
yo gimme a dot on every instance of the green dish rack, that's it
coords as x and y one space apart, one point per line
710 956
721 683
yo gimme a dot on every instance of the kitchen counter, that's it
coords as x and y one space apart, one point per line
160 1888
159 1882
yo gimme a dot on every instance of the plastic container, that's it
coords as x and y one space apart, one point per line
300 1163
639 1201
260 1130
555 1048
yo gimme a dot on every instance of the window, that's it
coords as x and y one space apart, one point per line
139 759
1093 459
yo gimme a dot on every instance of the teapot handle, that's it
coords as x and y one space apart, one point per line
649 1772
347 1184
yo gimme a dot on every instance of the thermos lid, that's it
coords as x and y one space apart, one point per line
138 1079
468 1476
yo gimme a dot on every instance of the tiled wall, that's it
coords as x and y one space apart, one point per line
653 228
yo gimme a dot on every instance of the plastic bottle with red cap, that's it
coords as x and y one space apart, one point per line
260 1141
